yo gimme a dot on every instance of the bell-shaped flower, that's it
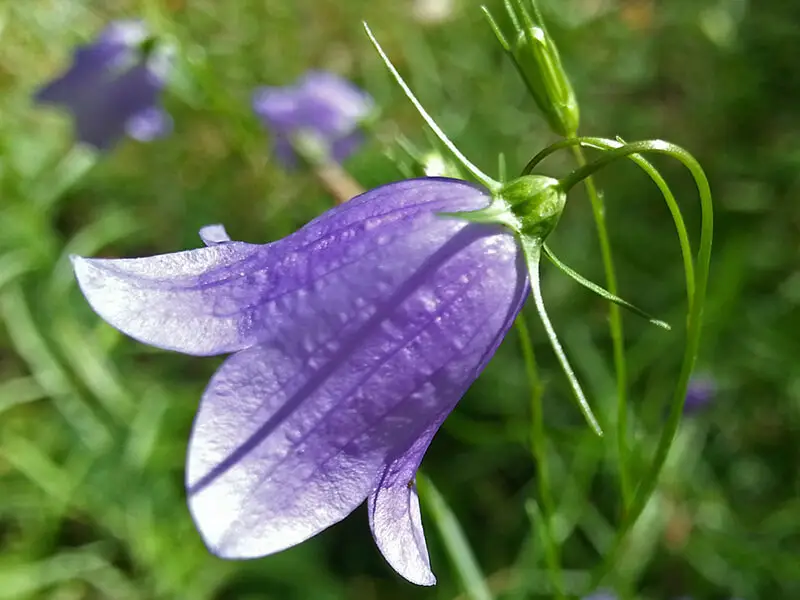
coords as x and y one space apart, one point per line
113 87
699 395
352 341
319 117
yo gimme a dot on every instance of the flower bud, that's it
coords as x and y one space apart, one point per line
537 59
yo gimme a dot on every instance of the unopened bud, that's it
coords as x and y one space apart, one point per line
536 57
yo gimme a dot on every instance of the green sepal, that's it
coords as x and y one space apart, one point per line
497 213
536 201
602 292
530 206
532 251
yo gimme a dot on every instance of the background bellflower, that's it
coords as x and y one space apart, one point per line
321 111
352 341
113 87
699 395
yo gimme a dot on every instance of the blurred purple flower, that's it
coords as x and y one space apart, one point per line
113 87
353 339
698 395
601 596
321 106
691 598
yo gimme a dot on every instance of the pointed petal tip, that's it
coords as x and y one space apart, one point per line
396 520
426 578
161 300
397 529
214 234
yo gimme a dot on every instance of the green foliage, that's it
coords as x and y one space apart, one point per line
93 426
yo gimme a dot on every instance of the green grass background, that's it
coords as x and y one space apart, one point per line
93 426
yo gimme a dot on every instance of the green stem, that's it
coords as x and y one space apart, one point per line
455 542
338 182
532 250
615 328
694 325
672 205
330 174
539 450
482 177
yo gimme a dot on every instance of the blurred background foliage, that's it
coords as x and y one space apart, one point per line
93 426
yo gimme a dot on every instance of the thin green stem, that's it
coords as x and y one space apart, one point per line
615 328
465 162
696 284
672 205
539 450
455 542
496 29
694 327
315 154
531 248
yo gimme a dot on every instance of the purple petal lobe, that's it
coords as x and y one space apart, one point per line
277 106
124 33
376 318
150 124
214 234
342 148
92 63
100 120
180 301
395 518
335 104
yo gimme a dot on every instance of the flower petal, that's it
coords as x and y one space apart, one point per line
101 120
395 518
344 147
277 107
214 234
233 295
390 314
190 301
91 63
149 124
331 104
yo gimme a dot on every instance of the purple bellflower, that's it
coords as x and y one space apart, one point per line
113 87
352 340
318 117
699 395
